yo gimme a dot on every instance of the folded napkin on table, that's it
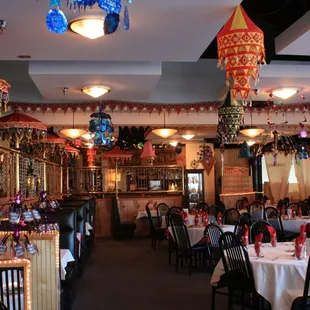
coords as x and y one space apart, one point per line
259 237
219 218
273 235
299 211
155 205
245 236
283 210
302 232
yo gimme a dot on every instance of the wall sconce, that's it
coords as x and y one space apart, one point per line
1 158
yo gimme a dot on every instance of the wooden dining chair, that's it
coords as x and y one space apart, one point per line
303 302
238 273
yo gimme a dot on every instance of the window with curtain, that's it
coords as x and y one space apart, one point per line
291 179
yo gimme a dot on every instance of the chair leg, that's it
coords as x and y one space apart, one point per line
230 299
213 298
169 250
176 262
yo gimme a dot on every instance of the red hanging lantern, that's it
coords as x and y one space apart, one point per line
240 51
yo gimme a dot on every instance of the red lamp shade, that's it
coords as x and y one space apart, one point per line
148 151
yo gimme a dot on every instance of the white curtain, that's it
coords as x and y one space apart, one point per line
302 171
278 174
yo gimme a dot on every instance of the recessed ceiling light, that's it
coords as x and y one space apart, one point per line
285 93
96 91
91 28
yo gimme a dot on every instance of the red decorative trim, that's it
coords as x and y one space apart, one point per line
142 107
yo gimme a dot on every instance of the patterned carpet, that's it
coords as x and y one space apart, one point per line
129 275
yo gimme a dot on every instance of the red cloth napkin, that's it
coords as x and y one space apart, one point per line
273 235
219 218
298 247
245 237
155 205
293 212
259 237
299 211
303 235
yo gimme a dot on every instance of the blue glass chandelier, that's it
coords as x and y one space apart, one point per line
102 128
56 20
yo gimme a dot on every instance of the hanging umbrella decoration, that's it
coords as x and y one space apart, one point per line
4 95
56 20
21 128
240 52
102 127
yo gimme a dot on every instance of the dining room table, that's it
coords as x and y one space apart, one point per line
279 277
290 224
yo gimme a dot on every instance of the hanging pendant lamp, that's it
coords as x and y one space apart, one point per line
73 133
164 132
252 132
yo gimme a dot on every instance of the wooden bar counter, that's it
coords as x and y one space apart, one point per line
129 207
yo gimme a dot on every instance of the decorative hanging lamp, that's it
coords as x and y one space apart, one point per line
73 133
102 128
240 51
72 151
164 132
21 128
230 114
148 152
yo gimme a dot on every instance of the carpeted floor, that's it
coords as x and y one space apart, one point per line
129 275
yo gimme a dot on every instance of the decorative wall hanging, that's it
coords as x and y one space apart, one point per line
56 20
101 125
230 114
206 157
21 128
240 51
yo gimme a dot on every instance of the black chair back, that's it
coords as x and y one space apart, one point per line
173 210
260 226
150 218
180 234
212 234
66 219
231 216
202 206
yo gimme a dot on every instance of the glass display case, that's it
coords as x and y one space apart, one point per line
194 186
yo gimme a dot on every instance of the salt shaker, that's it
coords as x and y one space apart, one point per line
304 251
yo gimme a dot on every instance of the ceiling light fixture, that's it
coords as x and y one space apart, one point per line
173 143
91 28
285 93
73 133
164 132
250 143
88 136
96 91
252 132
188 137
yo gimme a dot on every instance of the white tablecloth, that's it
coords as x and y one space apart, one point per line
195 234
142 214
275 274
290 225
88 227
65 258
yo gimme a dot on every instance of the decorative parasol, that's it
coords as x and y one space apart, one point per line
52 142
4 95
72 150
231 114
240 50
117 155
19 127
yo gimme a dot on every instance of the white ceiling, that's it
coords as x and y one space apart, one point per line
161 30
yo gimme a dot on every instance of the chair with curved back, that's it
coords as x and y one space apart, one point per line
231 216
184 250
221 206
304 207
286 201
157 234
260 226
238 273
213 211
162 210
202 206
244 219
